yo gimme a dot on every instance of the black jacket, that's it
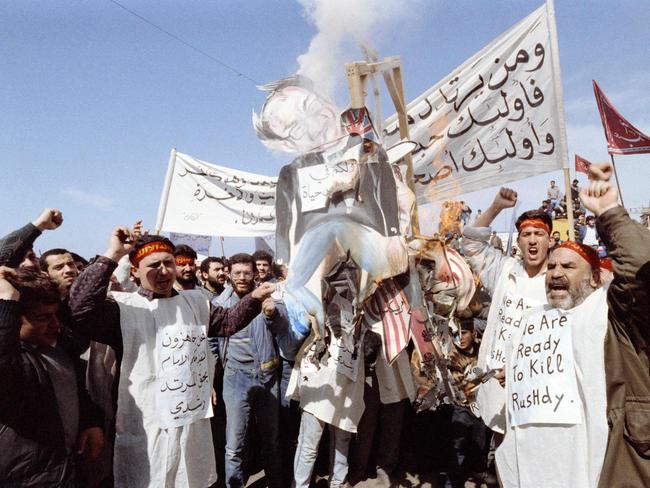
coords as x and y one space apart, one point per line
32 442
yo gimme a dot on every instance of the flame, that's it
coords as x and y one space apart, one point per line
447 213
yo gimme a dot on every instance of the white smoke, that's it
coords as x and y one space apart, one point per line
344 25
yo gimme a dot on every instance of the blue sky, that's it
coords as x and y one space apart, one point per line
93 98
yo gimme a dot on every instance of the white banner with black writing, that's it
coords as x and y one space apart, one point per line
203 198
541 378
496 118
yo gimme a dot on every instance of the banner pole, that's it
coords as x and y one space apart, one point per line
564 155
164 197
223 251
618 184
569 203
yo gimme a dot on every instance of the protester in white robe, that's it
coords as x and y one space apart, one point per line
515 285
163 436
555 380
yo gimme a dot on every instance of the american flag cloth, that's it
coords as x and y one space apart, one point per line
582 165
390 305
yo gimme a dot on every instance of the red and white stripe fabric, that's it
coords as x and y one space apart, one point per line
389 303
453 273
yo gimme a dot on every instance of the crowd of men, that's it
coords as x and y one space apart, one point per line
144 367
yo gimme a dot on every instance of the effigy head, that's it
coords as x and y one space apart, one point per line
294 118
445 277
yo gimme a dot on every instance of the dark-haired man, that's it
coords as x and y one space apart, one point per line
46 416
263 266
251 376
16 247
163 436
515 285
61 267
213 274
587 407
185 258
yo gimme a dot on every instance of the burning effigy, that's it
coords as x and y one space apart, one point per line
343 228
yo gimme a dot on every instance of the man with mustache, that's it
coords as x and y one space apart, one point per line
514 284
577 379
163 436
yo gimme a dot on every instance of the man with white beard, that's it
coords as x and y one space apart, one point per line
577 364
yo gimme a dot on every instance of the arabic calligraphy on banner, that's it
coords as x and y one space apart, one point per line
184 386
201 244
492 120
208 199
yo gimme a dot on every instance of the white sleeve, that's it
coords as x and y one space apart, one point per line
486 261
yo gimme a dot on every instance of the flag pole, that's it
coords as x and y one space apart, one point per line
223 252
618 184
555 57
162 208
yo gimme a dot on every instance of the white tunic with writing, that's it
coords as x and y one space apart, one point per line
513 292
163 436
556 398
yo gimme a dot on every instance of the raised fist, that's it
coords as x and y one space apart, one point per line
121 241
7 290
599 196
49 219
600 172
505 198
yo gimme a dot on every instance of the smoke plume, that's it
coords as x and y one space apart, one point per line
344 25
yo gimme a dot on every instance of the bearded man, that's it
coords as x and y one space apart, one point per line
577 379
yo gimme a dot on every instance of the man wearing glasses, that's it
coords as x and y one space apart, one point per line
251 376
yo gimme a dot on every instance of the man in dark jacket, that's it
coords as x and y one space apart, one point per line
46 416
627 365
16 247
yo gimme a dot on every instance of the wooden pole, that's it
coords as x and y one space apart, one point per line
357 77
162 208
223 251
618 184
569 203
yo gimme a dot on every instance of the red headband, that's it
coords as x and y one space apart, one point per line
606 263
183 260
587 253
539 223
150 248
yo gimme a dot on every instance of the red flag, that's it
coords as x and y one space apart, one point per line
622 137
582 165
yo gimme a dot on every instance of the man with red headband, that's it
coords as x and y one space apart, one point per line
163 436
514 284
577 378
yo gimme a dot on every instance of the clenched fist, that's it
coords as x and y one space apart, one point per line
505 198
49 219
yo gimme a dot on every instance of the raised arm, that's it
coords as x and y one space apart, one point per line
95 314
628 245
14 246
487 261
505 198
10 370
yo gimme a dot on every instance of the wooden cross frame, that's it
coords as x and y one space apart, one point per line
358 73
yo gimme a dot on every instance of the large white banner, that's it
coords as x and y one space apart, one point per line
496 118
206 199
201 244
